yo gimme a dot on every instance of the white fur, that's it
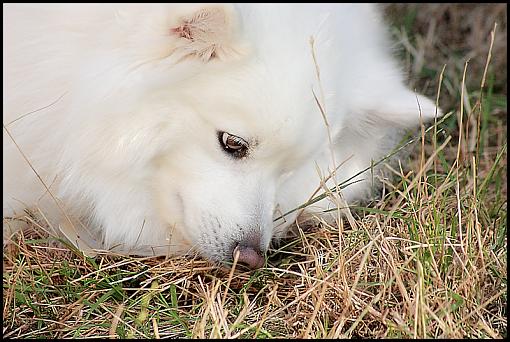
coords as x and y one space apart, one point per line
129 144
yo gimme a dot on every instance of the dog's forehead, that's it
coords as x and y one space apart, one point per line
266 102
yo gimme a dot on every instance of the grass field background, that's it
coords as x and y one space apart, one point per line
427 260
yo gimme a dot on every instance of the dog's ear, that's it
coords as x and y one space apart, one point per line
401 108
206 33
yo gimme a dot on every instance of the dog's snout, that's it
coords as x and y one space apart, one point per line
250 256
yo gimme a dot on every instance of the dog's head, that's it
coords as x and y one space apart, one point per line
240 123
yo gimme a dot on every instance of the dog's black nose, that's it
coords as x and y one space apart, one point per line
249 256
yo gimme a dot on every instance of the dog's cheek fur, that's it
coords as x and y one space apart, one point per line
216 201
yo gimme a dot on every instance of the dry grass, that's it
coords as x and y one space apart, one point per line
429 260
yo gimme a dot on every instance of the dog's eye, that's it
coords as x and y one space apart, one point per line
233 145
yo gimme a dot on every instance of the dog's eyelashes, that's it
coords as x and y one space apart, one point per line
233 145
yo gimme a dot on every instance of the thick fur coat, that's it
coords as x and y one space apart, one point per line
165 128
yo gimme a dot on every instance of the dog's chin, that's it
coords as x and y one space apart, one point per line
215 259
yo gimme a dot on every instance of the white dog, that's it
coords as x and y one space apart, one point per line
167 128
